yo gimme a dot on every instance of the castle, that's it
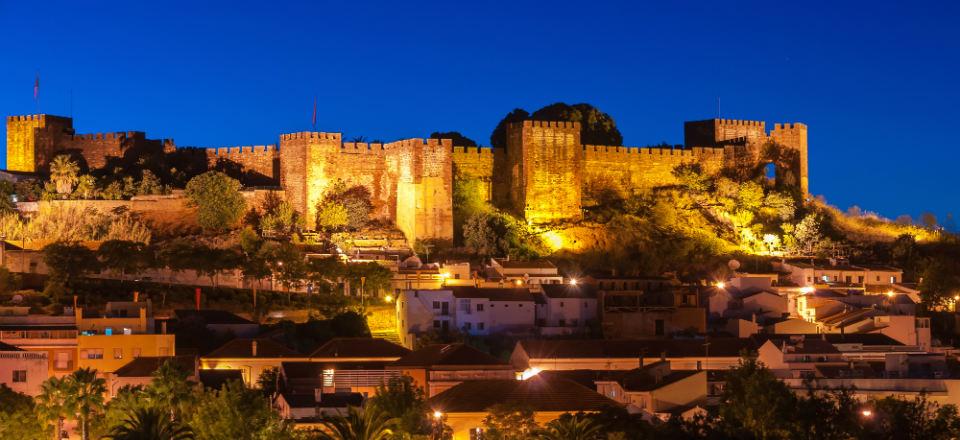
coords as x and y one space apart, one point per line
541 175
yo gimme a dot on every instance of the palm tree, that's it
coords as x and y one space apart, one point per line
359 424
149 424
55 402
63 174
571 427
88 391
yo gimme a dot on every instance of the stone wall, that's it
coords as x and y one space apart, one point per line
545 170
258 164
476 163
626 169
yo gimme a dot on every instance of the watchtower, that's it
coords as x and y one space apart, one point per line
544 160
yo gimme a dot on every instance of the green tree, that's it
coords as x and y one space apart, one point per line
402 400
170 390
63 174
235 412
56 402
755 403
509 422
113 191
18 416
149 184
268 381
86 391
457 138
217 199
86 187
572 427
939 282
282 220
68 261
750 196
779 205
597 127
807 234
124 256
149 424
332 216
359 424
498 139
690 176
913 420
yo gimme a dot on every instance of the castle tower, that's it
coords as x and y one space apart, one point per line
794 136
33 139
544 165
304 171
715 132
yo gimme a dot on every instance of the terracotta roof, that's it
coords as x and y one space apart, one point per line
216 379
569 291
449 355
535 264
327 400
210 316
8 347
145 366
243 348
359 348
861 338
304 369
539 393
639 379
614 348
494 294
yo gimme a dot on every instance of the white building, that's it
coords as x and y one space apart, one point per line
23 371
466 309
524 273
564 309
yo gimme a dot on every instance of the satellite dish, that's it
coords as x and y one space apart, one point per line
733 264
17 299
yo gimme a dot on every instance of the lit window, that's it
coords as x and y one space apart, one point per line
118 353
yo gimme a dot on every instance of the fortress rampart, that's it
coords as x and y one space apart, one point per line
541 175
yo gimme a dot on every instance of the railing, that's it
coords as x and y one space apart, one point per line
23 355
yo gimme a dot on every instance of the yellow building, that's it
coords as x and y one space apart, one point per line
107 353
464 406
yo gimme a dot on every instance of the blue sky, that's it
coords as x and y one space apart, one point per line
875 82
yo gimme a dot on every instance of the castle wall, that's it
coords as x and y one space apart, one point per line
476 163
260 163
626 169
795 136
97 148
424 207
545 160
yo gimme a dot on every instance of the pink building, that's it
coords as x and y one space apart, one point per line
23 371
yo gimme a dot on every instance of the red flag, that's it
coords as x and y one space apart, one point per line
36 87
314 112
197 297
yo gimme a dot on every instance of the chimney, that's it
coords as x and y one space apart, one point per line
253 348
163 327
318 395
641 358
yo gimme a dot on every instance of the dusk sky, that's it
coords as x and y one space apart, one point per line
876 83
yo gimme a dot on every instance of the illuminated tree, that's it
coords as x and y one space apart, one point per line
149 424
755 403
402 400
236 412
332 216
63 174
509 422
55 402
359 424
217 199
18 416
86 187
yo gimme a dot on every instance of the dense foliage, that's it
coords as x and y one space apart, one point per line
217 199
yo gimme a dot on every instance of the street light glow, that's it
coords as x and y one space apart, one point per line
721 285
437 415
573 281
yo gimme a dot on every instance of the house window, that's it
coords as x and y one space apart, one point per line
62 361
93 353
480 326
479 307
436 304
563 322
561 304
136 353
436 324
893 280
468 326
658 327
860 279
19 376
848 279
878 278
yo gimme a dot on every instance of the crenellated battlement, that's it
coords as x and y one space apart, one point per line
375 148
552 124
420 143
104 136
311 135
480 151
25 118
789 126
740 122
593 151
242 150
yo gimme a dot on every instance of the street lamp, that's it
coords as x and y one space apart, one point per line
437 425
866 413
